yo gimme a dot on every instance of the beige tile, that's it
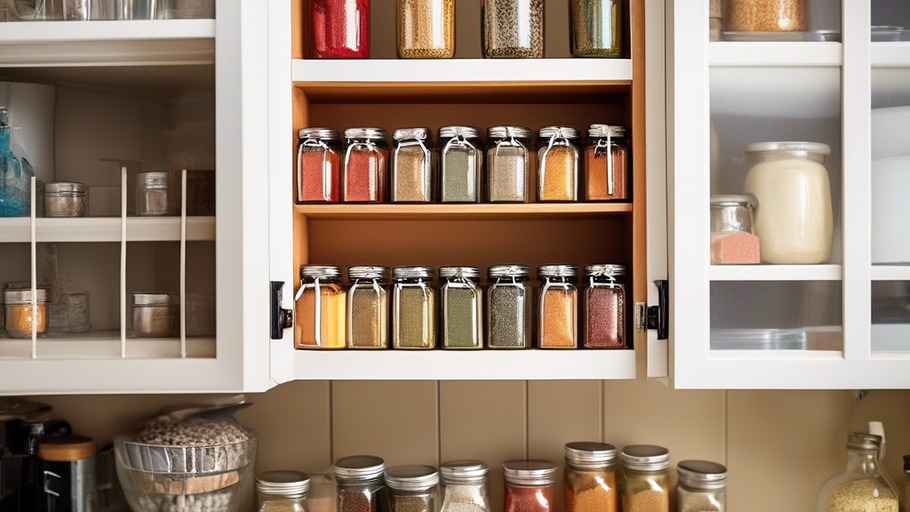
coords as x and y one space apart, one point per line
891 407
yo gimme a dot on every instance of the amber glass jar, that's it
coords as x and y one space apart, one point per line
558 307
320 308
557 163
606 164
591 477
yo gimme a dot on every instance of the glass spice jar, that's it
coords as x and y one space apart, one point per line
361 487
733 239
645 482
529 485
318 165
366 165
509 307
702 486
413 488
460 164
508 163
557 164
461 301
426 29
558 307
282 491
862 485
606 164
465 486
155 314
605 306
591 477
513 28
413 308
368 307
65 199
412 166
152 194
320 308
765 15
596 28
17 309
339 30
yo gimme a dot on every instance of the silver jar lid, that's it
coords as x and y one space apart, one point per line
319 132
418 133
597 131
517 271
590 455
508 131
863 441
530 472
468 132
464 471
412 272
645 457
702 474
605 270
557 270
724 200
320 272
412 478
788 146
24 296
454 272
359 467
567 132
152 179
287 484
64 187
155 299
369 133
368 272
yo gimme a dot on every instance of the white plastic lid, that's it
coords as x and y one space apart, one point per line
788 146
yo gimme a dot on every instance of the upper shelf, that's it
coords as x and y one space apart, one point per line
891 55
794 54
106 229
776 272
458 211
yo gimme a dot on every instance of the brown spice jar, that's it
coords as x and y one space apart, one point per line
766 15
597 173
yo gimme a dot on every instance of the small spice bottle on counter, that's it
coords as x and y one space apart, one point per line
366 165
513 28
591 477
361 487
733 239
606 164
465 486
461 301
65 199
460 164
645 482
558 307
368 307
508 163
702 486
529 485
605 306
596 28
18 317
509 307
426 29
766 15
412 166
413 488
320 308
413 308
557 164
152 196
339 30
318 165
282 491
156 314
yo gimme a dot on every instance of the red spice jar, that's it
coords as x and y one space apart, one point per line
366 165
318 165
605 307
606 164
529 485
339 29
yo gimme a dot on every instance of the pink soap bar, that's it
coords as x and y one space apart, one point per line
735 247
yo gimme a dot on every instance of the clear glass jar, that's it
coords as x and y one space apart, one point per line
508 163
904 489
15 174
529 485
794 219
513 28
339 30
862 485
155 315
318 165
413 308
733 239
645 482
361 486
368 307
465 486
596 28
17 312
70 312
558 307
366 165
766 15
320 308
509 307
413 488
426 29
461 301
412 177
702 486
605 306
460 164
557 164
152 195
606 164
591 477
65 199
282 491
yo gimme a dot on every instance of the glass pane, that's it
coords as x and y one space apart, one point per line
889 17
891 316
890 165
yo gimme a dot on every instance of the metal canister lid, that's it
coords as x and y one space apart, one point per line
505 131
605 270
368 272
412 478
590 454
287 484
18 297
596 131
702 474
152 179
863 441
788 146
155 299
645 457
454 272
369 133
319 132
724 200
468 132
567 132
320 272
557 270
359 467
414 272
516 271
64 187
530 472
418 133
464 471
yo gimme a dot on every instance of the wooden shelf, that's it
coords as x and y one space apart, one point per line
106 229
774 54
460 211
776 273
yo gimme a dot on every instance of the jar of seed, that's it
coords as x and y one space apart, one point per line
460 163
366 165
320 308
557 163
361 487
282 491
513 28
765 15
17 309
596 28
426 29
152 198
606 164
318 165
413 488
645 482
368 307
508 163
605 306
591 477
465 486
412 178
529 485
509 307
65 199
413 308
155 314
702 486
558 307
461 300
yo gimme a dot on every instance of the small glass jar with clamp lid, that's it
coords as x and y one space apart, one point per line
558 157
413 308
368 307
284 491
606 164
318 165
558 307
461 301
464 485
605 306
509 300
366 165
591 477
412 175
508 163
361 486
460 164
413 488
152 195
320 308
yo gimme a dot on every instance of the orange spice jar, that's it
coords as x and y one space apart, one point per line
320 308
557 164
558 307
606 164
18 315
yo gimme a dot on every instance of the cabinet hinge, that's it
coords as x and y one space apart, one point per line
280 318
655 317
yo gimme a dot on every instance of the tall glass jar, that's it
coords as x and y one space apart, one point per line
513 28
284 491
413 308
366 165
412 166
733 239
557 163
413 488
605 306
320 308
361 486
529 485
509 307
152 196
17 312
368 307
862 485
15 174
508 163
606 164
702 486
645 482
426 29
596 28
339 30
460 164
318 165
465 486
558 307
591 477
461 301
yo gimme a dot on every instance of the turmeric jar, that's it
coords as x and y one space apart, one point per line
18 315
558 307
320 308
591 477
557 164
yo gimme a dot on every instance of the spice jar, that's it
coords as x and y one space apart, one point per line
605 306
558 307
320 308
590 477
361 487
733 239
862 485
413 308
766 15
508 163
465 486
596 28
509 307
339 30
606 164
368 307
715 19
513 28
645 484
702 486
152 197
18 317
318 165
283 491
557 164
426 29
366 165
794 218
529 485
461 301
460 163
413 488
155 314
412 166
65 199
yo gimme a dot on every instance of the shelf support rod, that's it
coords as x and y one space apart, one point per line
123 180
34 249
183 264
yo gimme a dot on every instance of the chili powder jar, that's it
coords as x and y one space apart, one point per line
557 163
529 485
591 477
320 305
366 165
606 164
318 165
339 29
605 307
361 487
557 307
412 166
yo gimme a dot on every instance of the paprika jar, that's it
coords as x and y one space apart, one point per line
596 28
426 29
591 477
361 486
366 165
340 29
557 164
461 304
513 28
605 307
318 165
606 164
558 307
368 307
645 483
509 307
460 163
320 308
413 308
465 486
508 163
412 166
529 485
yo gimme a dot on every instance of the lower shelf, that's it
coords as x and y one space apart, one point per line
106 229
100 345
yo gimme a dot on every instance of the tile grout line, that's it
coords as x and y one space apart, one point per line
726 426
438 423
331 424
527 419
601 423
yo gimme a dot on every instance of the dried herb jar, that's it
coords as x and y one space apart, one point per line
513 28
366 165
152 195
606 164
465 486
645 482
413 488
596 28
509 310
605 306
461 305
17 312
701 487
557 164
155 314
320 308
508 163
65 199
284 491
529 485
340 30
361 486
558 307
590 477
412 178
413 308
426 29
368 307
318 165
460 164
